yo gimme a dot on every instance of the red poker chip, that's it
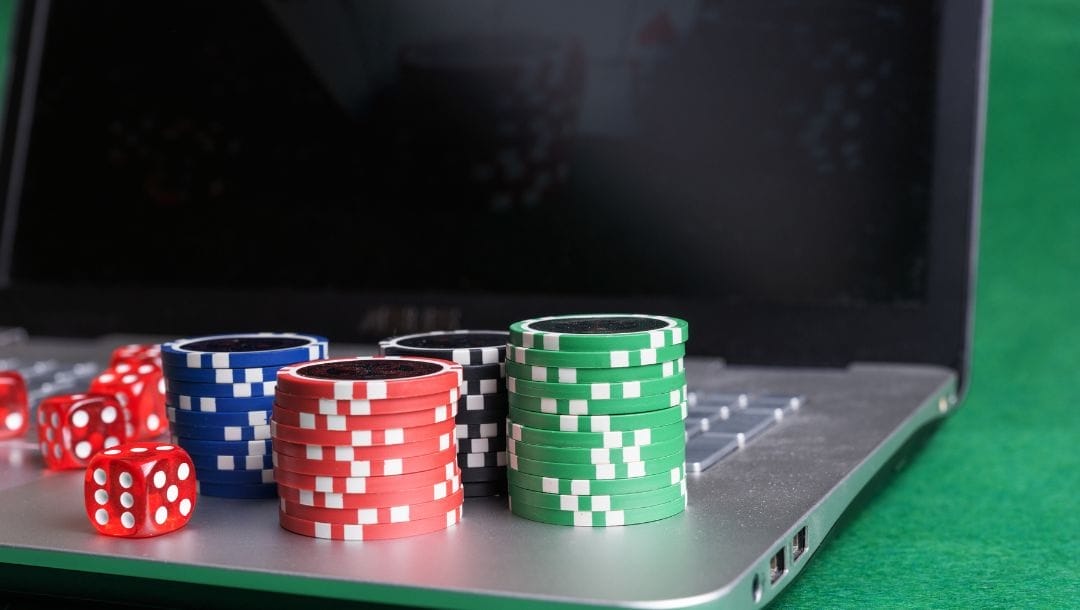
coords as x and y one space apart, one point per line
342 423
346 453
370 377
418 495
363 485
371 516
364 406
365 468
358 438
379 531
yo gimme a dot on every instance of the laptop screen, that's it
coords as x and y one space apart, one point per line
713 153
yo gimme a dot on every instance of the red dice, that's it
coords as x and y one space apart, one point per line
136 352
14 410
140 387
73 427
140 489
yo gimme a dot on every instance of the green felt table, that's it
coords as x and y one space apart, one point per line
988 513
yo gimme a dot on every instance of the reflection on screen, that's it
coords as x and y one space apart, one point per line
752 151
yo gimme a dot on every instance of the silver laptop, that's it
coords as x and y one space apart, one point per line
800 183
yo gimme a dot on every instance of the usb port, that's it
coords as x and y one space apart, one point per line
798 544
777 567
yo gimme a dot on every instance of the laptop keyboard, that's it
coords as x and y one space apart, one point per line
717 425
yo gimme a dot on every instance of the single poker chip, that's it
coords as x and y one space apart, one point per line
595 360
417 495
213 404
409 419
595 375
370 516
231 462
223 447
492 430
629 516
361 485
583 406
212 420
493 459
469 347
346 453
594 440
359 438
600 472
222 433
389 406
228 376
571 503
373 377
382 531
599 332
220 390
482 402
481 445
365 468
593 487
577 455
235 477
243 350
598 423
619 390
475 387
488 416
474 475
225 490
469 372
481 489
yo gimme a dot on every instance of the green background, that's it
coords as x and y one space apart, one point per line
988 514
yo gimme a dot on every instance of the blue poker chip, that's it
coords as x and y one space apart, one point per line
218 404
222 433
204 447
234 477
251 375
243 350
224 490
210 420
231 462
221 390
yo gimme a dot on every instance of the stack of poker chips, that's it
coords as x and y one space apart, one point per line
219 396
595 429
364 448
482 407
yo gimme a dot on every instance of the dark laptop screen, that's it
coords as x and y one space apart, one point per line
755 152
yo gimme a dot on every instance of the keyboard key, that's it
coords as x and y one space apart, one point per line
745 424
708 448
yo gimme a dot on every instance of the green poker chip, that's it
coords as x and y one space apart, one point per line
598 472
579 455
630 516
592 375
595 360
596 391
598 423
599 332
602 502
592 487
595 440
584 406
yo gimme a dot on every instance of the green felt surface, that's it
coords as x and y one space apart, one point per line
988 515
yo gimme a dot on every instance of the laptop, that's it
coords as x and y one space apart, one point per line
800 183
